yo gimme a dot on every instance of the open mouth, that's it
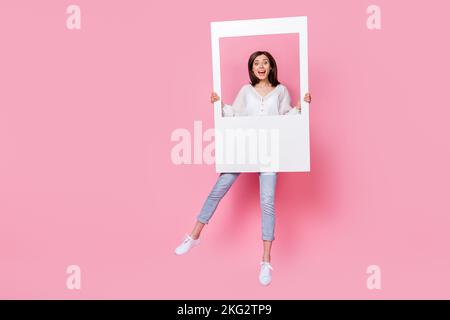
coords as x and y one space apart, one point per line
261 73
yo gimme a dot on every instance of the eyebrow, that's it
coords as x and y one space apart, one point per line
263 60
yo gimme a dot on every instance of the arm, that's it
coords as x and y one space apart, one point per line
227 110
285 103
237 107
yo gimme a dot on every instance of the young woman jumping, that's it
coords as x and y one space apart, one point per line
264 95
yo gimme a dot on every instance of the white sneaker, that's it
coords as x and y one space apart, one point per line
265 275
186 245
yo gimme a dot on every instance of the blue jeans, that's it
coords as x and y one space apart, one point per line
267 184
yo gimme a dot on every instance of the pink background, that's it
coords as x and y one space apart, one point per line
86 176
234 55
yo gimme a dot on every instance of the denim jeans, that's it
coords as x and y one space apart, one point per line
267 184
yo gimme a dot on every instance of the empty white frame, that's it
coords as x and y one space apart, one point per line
277 143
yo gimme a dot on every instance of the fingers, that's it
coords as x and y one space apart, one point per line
214 97
307 97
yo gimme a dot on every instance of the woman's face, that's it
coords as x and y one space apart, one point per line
261 67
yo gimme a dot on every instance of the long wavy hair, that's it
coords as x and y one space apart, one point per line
273 78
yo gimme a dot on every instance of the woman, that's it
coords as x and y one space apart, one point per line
264 96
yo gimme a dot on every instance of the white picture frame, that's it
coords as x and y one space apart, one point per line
280 143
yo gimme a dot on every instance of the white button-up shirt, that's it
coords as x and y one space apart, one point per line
249 102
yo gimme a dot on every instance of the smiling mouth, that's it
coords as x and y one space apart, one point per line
261 73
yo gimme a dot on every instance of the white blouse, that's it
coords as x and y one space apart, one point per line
250 103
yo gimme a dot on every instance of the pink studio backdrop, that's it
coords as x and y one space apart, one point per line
86 176
234 54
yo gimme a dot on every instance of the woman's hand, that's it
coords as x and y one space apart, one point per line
215 97
307 99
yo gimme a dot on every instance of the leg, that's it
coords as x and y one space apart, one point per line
267 247
267 185
223 184
195 234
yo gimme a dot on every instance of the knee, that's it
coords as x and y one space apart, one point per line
267 204
222 186
216 194
267 198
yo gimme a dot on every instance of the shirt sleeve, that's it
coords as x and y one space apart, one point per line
227 111
285 103
237 107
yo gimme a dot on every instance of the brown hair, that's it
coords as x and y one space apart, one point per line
273 79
